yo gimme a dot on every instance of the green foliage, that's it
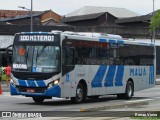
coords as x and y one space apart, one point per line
155 21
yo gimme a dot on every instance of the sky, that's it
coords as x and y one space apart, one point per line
64 7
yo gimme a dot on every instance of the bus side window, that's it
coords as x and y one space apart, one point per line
69 56
68 59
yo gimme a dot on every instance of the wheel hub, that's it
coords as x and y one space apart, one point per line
79 94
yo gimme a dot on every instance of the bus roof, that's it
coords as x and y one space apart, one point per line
101 37
110 38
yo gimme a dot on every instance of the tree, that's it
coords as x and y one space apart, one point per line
155 21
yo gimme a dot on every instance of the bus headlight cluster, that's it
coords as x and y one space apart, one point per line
51 84
56 82
13 82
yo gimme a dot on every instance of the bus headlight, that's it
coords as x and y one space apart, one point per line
51 84
13 82
56 82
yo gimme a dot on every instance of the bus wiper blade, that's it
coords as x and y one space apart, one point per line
41 51
27 55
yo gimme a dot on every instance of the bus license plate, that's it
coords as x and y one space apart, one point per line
30 90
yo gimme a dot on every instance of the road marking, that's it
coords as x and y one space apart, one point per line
132 101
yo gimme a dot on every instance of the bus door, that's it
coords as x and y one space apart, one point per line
68 71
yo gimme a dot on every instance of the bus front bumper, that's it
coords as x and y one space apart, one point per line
54 91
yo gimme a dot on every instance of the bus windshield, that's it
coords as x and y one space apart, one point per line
44 59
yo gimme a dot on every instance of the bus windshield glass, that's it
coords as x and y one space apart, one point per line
44 59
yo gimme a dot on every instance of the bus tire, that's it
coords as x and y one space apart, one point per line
129 90
38 99
80 94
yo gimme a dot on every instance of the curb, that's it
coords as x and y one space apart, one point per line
157 82
114 106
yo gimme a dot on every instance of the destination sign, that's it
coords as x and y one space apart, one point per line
37 38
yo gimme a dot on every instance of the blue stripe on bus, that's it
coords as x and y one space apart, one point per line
97 80
31 83
22 83
110 76
151 75
54 91
102 40
152 44
120 42
41 83
112 41
119 76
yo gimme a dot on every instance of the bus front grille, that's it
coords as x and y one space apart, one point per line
33 90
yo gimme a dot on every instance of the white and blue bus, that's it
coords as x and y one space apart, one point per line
79 66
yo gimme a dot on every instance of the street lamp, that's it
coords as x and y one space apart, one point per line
24 8
30 13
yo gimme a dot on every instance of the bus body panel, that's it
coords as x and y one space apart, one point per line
52 92
41 85
111 79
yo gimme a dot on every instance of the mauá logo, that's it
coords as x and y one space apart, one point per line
137 72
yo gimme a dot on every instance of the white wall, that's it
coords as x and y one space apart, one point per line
6 40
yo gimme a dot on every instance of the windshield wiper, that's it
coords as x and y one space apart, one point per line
27 55
36 56
39 54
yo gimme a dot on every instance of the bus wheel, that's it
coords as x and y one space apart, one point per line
80 94
38 99
129 90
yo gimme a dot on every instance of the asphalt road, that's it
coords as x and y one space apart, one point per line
145 100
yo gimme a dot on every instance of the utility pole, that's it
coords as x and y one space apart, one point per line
154 29
31 16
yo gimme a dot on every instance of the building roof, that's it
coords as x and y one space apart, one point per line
51 21
143 18
153 13
117 12
13 13
82 17
24 16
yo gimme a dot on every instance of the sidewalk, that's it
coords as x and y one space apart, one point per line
4 86
158 81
